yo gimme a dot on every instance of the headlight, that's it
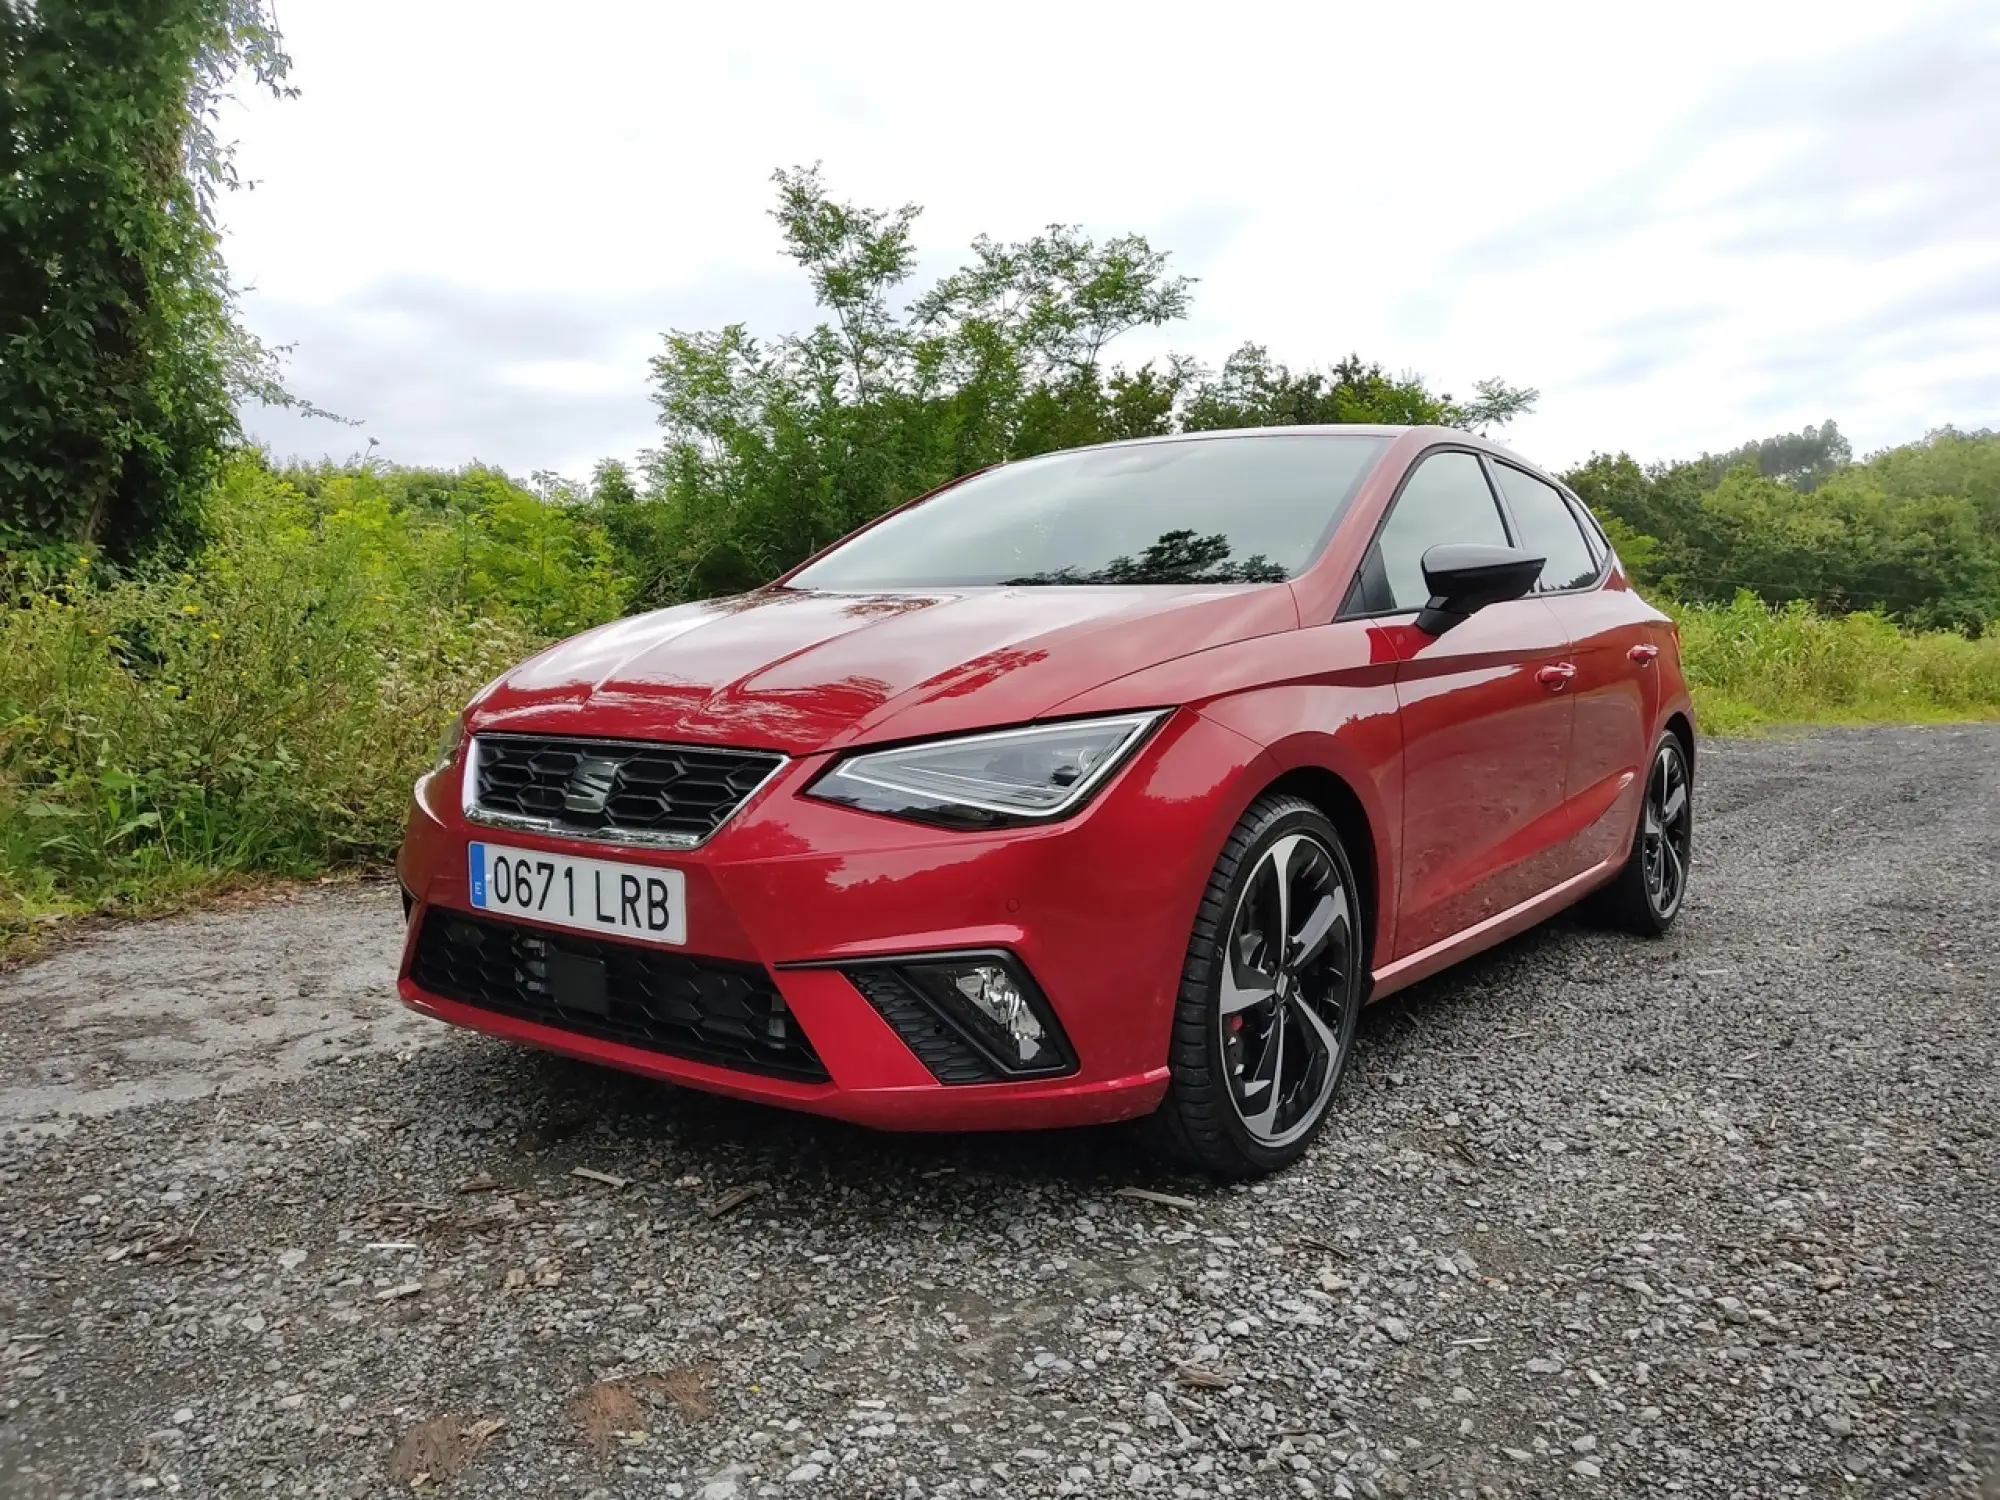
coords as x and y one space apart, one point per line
447 751
989 780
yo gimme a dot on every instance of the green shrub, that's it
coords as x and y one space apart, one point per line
265 709
1751 665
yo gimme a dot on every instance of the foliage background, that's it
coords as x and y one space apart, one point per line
121 361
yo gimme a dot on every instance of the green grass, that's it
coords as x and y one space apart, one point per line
1752 667
262 713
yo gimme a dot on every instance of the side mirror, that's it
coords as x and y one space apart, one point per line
1468 576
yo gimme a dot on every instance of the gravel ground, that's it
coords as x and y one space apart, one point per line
1715 1216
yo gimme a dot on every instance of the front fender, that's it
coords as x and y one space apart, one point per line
1321 699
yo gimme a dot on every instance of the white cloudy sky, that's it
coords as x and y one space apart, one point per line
1687 225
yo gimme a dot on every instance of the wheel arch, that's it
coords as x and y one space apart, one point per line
1681 726
1328 791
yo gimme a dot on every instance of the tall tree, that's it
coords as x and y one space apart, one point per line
120 358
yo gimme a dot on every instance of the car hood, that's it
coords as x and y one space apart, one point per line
802 671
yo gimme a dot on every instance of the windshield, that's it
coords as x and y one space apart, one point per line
1206 510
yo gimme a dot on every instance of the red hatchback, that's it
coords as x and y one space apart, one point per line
1107 784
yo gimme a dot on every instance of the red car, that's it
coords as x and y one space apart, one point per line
1107 784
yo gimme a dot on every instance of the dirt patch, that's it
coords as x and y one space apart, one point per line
611 1409
200 1006
439 1449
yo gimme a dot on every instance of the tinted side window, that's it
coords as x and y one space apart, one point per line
1549 528
1446 500
1592 535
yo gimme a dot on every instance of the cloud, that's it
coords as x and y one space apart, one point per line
1686 226
1805 224
442 373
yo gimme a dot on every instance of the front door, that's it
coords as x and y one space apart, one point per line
1486 719
1610 633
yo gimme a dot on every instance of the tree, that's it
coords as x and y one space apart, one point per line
1913 532
773 448
120 357
1253 391
1802 459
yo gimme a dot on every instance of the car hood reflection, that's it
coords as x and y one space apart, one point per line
802 671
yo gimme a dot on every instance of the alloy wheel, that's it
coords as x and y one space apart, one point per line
1666 832
1286 988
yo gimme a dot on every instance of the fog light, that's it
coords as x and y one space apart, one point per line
994 994
995 1006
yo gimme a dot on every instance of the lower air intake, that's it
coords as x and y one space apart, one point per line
703 1009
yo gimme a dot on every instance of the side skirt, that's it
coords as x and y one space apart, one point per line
1405 972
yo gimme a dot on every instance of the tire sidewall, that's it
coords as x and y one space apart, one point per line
1298 818
1668 740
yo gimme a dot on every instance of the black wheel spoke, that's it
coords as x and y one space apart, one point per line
1315 1033
1663 831
1328 914
1244 986
1264 1093
1676 804
1283 991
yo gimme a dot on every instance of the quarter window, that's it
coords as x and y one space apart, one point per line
1549 529
1446 500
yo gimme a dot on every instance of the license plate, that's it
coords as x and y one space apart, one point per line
591 895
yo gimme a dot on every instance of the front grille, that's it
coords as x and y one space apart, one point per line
939 1046
678 794
700 1008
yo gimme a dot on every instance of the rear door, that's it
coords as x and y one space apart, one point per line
1612 650
1486 723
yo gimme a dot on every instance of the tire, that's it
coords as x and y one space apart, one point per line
1233 1107
1648 892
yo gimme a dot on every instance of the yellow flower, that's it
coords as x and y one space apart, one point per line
190 609
215 635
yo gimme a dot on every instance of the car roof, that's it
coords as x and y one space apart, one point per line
1332 429
1424 437
1310 429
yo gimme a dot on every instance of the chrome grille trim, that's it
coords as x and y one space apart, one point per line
634 837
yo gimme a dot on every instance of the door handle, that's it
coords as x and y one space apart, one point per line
1556 676
1643 654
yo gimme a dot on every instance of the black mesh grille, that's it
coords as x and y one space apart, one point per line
939 1046
612 786
697 1008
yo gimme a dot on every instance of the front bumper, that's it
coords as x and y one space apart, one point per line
1097 909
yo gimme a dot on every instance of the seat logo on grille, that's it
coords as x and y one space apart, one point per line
590 785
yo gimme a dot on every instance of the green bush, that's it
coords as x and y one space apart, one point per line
1751 665
265 708
1912 532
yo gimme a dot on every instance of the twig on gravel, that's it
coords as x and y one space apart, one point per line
736 1197
180 1241
1147 1195
590 1174
1313 1242
1202 1378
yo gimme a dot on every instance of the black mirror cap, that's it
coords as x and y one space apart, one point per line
1464 577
